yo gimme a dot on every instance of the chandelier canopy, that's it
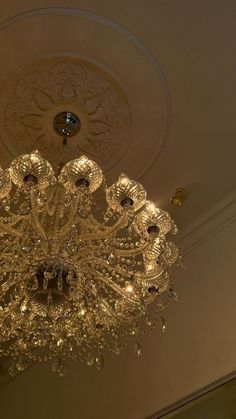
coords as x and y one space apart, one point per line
77 279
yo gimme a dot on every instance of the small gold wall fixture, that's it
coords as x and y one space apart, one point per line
179 197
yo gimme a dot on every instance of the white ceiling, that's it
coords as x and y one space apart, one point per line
193 42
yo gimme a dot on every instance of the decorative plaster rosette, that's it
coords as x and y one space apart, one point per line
98 70
39 92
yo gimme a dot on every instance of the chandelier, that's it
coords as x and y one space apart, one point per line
78 277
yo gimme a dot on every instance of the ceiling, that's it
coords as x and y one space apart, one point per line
175 64
169 74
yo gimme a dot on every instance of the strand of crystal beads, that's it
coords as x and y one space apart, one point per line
76 280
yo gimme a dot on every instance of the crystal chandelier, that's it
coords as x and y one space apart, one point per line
77 279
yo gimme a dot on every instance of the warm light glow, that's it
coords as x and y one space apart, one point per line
82 312
123 179
151 207
72 285
129 287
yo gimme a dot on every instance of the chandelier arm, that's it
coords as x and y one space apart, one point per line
64 230
51 198
82 253
112 268
37 224
93 225
121 223
131 252
55 242
10 230
105 306
51 210
153 276
40 231
116 288
112 313
3 255
4 317
8 270
15 217
92 220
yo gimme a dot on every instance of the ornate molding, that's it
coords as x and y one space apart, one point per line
208 224
40 91
136 72
191 399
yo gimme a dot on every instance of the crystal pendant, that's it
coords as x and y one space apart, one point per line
173 295
99 362
23 307
138 350
117 348
60 281
163 325
12 370
59 367
111 259
27 246
77 278
90 360
46 281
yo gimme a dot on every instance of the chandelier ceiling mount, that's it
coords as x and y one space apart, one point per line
66 124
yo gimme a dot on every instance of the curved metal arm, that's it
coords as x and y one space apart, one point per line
121 223
116 288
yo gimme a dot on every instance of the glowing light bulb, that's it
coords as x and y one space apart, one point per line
83 159
82 312
60 343
23 307
151 266
129 287
123 179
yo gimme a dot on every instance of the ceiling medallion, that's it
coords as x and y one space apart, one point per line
37 95
76 280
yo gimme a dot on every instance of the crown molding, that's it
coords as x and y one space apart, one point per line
201 229
208 224
192 399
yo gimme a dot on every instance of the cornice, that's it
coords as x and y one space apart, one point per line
209 223
193 398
